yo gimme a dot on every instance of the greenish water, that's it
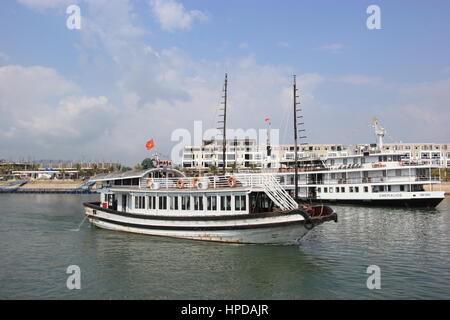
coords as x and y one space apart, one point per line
412 248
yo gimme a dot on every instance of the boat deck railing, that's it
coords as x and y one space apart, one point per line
264 181
208 182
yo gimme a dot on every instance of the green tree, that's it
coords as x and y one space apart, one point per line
212 169
94 168
147 163
79 170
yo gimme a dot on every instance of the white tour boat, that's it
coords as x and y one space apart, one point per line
241 208
368 176
244 208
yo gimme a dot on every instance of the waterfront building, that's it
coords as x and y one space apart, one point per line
247 154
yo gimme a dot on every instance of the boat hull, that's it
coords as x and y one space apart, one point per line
284 228
400 203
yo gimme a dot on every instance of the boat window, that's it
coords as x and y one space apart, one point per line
342 189
174 203
350 189
152 202
239 203
366 189
198 202
162 203
318 190
225 203
402 188
325 189
337 189
211 202
356 189
139 202
185 203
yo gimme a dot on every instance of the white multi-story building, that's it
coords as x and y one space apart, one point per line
247 154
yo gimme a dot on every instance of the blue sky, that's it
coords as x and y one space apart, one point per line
141 69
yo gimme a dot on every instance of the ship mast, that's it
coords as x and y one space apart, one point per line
296 137
379 132
224 123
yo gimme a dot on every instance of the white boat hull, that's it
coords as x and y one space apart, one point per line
273 229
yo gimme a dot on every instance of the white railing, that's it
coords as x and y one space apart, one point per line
265 181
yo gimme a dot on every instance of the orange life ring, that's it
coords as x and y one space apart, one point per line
180 183
232 182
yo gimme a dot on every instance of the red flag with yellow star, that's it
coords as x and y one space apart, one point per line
150 144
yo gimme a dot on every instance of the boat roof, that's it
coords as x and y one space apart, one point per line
133 174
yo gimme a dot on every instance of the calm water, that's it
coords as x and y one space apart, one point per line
37 244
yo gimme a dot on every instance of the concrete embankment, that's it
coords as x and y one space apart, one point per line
48 186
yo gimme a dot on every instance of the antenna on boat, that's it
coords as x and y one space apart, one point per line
224 123
296 137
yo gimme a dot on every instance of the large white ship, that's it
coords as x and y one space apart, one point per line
368 176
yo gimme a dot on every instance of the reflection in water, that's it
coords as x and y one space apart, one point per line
409 245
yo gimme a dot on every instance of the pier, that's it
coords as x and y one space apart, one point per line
53 187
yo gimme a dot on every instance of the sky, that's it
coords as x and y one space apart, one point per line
137 70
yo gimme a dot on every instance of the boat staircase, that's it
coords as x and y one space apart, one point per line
272 188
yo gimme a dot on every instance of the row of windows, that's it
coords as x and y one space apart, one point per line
381 188
190 203
341 189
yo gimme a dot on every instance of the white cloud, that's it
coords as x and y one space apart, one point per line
359 79
172 15
333 47
283 44
42 113
243 45
46 4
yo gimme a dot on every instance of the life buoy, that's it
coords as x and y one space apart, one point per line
232 182
180 184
